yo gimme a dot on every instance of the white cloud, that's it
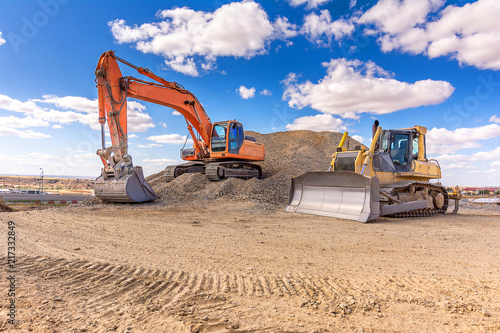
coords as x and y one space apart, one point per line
57 126
88 163
485 155
191 41
83 110
284 29
15 105
163 124
469 169
310 4
395 16
318 27
358 138
172 139
130 136
176 113
75 103
246 93
443 141
2 41
469 162
27 134
457 166
151 145
351 87
469 34
317 123
185 65
138 120
266 92
25 122
158 161
495 119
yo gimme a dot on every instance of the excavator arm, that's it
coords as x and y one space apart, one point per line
120 181
113 90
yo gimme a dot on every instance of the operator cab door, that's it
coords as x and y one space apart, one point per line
227 137
236 137
219 138
400 147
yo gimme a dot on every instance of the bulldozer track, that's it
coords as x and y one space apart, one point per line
103 287
426 212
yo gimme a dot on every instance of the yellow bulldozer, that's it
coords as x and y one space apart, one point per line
391 178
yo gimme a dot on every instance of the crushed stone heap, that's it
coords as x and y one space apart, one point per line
288 154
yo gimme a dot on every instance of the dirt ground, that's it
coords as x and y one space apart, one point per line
229 267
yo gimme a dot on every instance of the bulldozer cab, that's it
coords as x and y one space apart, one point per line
227 137
397 149
353 187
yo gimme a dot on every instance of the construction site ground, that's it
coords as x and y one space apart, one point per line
225 257
231 266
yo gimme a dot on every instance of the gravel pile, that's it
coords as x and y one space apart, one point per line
479 206
288 154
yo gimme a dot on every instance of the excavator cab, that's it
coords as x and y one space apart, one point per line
230 151
227 137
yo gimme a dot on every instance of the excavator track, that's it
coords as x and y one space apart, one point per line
174 171
426 211
232 169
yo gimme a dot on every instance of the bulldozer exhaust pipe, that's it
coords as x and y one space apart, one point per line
374 128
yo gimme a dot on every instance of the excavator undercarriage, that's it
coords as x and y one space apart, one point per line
215 171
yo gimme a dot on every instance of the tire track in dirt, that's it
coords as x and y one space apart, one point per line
105 287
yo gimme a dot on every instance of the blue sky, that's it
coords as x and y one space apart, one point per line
274 65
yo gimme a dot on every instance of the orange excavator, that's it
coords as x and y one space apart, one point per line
220 150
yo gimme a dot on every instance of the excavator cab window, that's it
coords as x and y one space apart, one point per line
236 137
399 148
219 137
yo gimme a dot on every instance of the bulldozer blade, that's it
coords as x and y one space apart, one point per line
130 188
342 194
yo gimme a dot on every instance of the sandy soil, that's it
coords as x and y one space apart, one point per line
229 267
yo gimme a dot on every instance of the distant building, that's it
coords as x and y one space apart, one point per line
31 192
479 190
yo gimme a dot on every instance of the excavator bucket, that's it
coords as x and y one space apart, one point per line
130 188
342 194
